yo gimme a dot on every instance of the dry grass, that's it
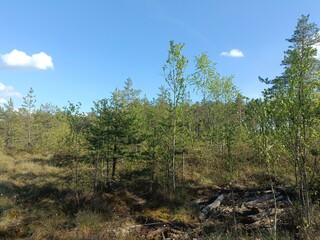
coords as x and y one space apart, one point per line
37 200
88 219
6 203
12 222
21 179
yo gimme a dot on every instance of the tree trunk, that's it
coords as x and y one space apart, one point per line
174 155
95 184
183 165
114 162
108 170
114 165
213 205
77 173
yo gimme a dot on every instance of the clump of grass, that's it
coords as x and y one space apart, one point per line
4 167
12 223
186 215
5 157
5 203
6 163
161 214
54 224
88 219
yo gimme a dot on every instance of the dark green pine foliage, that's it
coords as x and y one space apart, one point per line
113 132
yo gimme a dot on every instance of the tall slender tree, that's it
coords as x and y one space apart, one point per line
74 117
295 95
28 107
174 73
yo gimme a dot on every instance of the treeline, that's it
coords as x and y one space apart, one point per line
28 129
218 138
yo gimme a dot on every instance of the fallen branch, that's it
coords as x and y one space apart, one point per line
213 205
260 215
157 231
264 198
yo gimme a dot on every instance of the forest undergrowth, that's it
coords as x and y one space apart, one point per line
38 201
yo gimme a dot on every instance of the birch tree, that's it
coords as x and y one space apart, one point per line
174 74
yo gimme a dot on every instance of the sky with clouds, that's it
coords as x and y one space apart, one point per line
80 51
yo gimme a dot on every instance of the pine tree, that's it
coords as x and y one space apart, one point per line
28 108
294 97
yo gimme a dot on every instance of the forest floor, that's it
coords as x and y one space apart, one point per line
36 202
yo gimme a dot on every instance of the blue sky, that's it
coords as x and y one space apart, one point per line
81 50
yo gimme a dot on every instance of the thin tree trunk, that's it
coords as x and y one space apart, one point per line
114 162
114 165
95 184
275 204
108 162
77 173
183 165
167 172
101 172
108 170
305 179
306 192
233 208
174 156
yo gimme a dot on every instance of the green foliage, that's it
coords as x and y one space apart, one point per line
111 134
174 71
76 122
211 84
293 97
27 110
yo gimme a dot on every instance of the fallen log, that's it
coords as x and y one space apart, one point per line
260 215
244 211
262 199
248 208
213 205
282 190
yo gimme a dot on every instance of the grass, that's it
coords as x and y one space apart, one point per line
245 236
89 219
24 180
12 222
6 203
38 201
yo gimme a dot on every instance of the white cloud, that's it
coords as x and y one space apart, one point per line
233 53
18 59
8 91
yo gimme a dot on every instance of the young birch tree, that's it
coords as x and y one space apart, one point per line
174 73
